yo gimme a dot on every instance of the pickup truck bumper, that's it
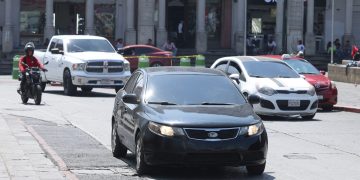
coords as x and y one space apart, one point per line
100 80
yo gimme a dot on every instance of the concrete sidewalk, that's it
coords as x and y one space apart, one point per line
348 97
20 154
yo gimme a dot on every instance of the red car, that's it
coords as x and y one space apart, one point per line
160 57
325 88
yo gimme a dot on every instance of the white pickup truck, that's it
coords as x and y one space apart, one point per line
83 61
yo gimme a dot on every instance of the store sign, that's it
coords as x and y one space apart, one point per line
270 1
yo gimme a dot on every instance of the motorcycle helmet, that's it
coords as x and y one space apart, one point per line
29 47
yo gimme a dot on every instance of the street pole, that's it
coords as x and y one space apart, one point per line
245 21
332 31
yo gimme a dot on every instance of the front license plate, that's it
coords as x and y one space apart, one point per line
105 81
294 103
320 97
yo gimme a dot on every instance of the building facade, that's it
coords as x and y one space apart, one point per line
206 24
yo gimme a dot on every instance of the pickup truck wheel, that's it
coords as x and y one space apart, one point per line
86 89
69 88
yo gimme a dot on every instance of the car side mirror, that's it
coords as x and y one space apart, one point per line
254 99
323 72
235 77
56 51
130 99
46 62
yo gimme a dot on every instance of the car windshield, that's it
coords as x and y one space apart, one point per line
94 45
302 67
190 89
269 69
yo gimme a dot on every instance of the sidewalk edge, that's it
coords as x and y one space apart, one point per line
347 109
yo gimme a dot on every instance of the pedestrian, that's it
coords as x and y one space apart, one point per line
347 49
300 46
180 33
170 46
149 42
271 46
119 44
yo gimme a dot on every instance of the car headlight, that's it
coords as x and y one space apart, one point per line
164 130
267 91
255 129
332 85
311 91
126 66
78 67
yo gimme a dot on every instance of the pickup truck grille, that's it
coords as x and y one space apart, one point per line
104 67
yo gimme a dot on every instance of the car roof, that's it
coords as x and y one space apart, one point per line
255 58
279 57
78 37
141 45
182 70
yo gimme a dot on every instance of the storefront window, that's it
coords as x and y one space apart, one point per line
105 20
32 21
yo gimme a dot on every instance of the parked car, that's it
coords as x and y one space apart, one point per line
325 88
203 120
282 91
159 56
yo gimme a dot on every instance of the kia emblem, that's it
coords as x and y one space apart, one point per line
213 134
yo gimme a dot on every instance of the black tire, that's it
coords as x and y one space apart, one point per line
118 149
86 89
141 166
43 86
309 117
37 94
69 88
256 169
328 108
156 64
24 98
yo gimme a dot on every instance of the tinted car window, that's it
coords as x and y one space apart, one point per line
60 45
234 68
131 83
192 90
269 69
144 50
52 44
94 45
129 52
302 67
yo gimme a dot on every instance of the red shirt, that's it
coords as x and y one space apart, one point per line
31 62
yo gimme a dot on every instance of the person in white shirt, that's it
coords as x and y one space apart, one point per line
300 46
180 33
271 46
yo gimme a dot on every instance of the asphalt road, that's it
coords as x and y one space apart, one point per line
78 129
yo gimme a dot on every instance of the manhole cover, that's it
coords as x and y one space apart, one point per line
299 156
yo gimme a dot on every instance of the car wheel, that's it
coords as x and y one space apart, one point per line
86 89
328 108
69 88
118 149
43 86
309 117
256 169
37 94
156 64
141 166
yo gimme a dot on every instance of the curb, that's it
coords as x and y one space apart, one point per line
347 109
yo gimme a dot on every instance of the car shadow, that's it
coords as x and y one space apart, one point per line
175 172
81 94
288 119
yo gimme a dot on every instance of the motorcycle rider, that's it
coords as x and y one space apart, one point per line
30 61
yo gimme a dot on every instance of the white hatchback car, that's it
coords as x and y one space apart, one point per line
282 91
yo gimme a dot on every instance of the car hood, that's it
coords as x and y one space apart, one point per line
89 56
283 83
317 79
203 116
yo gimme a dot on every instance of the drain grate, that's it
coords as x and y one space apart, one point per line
299 156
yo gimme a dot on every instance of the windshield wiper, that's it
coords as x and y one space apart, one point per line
213 103
280 76
161 103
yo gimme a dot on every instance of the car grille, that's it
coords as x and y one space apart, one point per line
291 92
104 67
283 105
212 134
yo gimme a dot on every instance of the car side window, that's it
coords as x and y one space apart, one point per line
222 66
129 52
52 44
234 68
143 50
139 85
131 83
60 45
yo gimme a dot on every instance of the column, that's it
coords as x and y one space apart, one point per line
295 22
89 17
240 26
161 33
120 19
348 22
310 36
130 34
279 25
49 30
146 21
8 28
201 36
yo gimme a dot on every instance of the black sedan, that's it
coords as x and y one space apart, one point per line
187 116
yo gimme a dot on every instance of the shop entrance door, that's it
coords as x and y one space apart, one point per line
69 18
